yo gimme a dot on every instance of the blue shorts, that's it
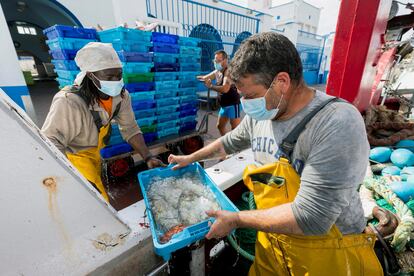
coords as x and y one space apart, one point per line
231 111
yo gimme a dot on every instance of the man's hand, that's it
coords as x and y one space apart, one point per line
225 222
180 160
207 83
154 163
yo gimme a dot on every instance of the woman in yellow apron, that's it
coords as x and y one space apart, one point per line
79 120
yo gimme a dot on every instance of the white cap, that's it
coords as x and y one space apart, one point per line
95 56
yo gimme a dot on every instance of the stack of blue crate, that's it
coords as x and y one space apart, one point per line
64 42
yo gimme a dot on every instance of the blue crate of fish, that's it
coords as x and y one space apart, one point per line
165 48
190 233
190 67
167 124
68 31
136 67
69 75
189 41
165 94
187 91
142 96
188 99
165 76
168 132
111 151
189 83
187 126
147 104
168 101
166 85
188 50
184 58
168 117
166 57
188 112
135 56
65 65
191 75
131 46
167 109
189 106
67 43
124 34
63 54
147 121
115 139
164 38
166 67
140 86
64 82
144 113
187 119
150 137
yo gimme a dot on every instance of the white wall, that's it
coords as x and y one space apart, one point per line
305 11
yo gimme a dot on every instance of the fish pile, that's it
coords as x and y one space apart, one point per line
179 202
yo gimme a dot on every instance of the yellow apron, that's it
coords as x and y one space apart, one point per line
88 161
278 254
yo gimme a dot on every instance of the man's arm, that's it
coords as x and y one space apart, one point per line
211 76
220 88
137 142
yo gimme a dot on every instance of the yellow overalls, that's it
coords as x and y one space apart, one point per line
332 254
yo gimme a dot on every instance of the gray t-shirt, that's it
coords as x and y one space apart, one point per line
331 155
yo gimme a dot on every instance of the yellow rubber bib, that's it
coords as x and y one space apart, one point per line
88 162
277 254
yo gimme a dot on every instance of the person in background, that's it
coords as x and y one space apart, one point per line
79 119
229 99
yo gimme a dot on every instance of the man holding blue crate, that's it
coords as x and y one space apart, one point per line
79 120
229 99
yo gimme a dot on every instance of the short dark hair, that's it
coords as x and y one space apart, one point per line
224 54
265 55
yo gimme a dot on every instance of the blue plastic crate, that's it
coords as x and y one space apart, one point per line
65 65
69 75
188 99
131 46
189 41
188 50
165 94
191 233
63 82
122 34
164 38
166 67
189 106
188 112
67 43
168 132
187 91
189 83
135 56
168 101
191 75
115 130
136 67
115 150
142 96
167 85
115 139
150 137
68 31
147 104
140 86
187 126
165 48
167 109
167 124
144 113
165 76
190 67
147 121
188 119
184 58
165 58
168 117
63 54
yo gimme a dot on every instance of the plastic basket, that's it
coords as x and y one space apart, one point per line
67 43
149 128
190 67
167 109
189 83
168 132
165 58
63 54
150 137
188 119
167 124
143 113
167 85
189 41
166 67
140 86
68 31
191 233
143 104
168 117
147 121
69 75
188 112
135 56
168 101
115 139
189 106
188 50
164 38
189 59
122 34
137 77
187 91
191 75
136 67
142 96
65 65
165 94
188 99
115 150
187 126
165 76
131 46
64 82
165 48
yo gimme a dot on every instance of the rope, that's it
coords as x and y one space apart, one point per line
402 234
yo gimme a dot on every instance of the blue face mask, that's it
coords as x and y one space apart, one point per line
111 88
218 66
256 108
